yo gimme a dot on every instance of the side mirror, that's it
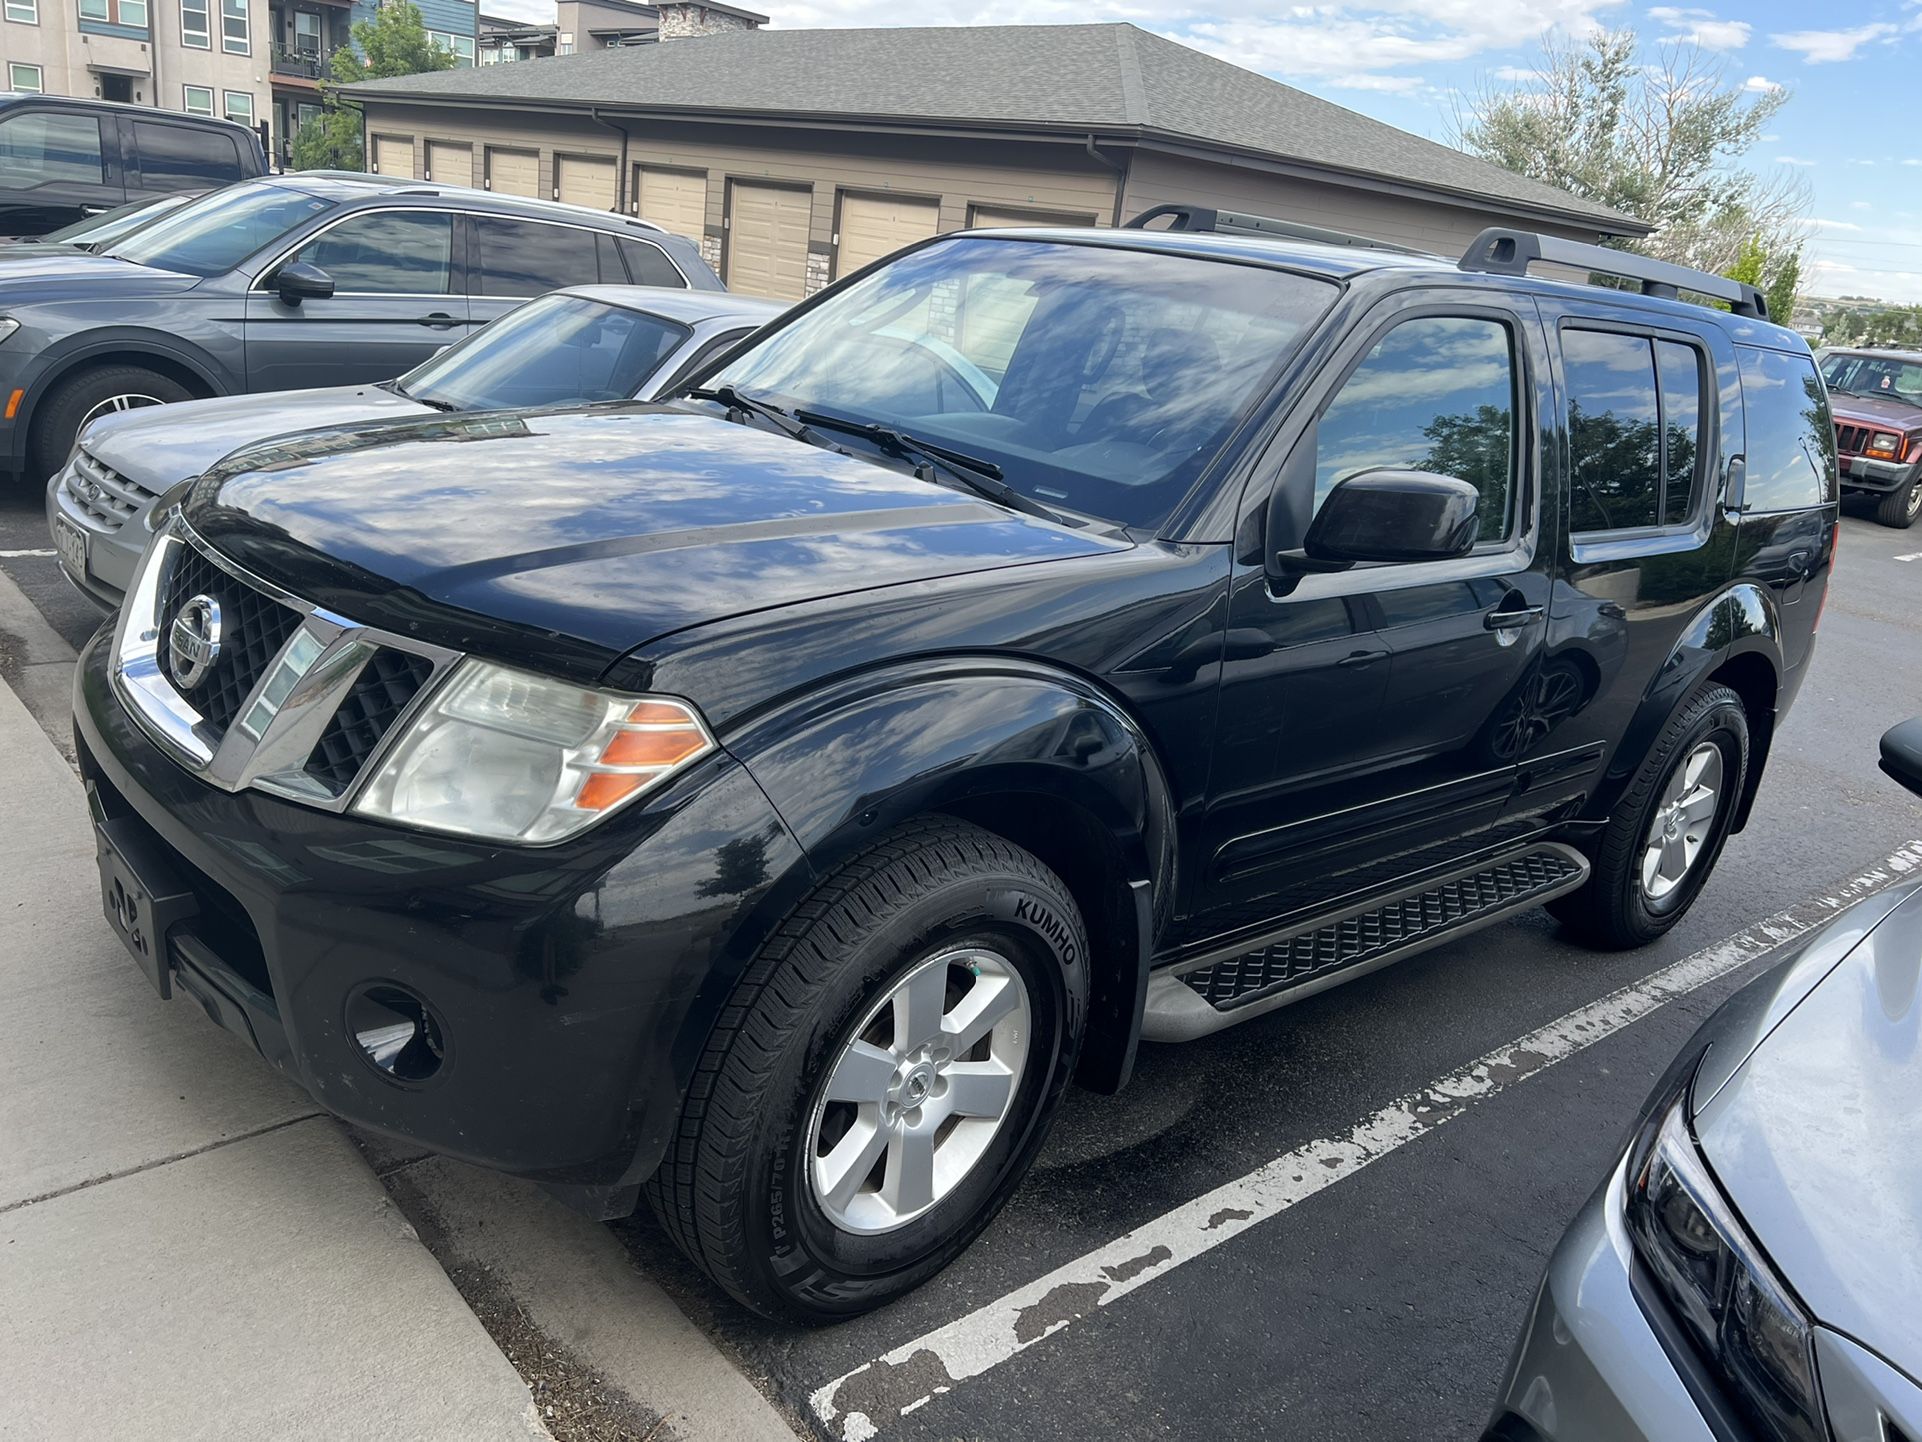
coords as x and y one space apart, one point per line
1902 753
1390 515
300 280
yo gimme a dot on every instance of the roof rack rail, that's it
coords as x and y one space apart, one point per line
1236 222
1501 251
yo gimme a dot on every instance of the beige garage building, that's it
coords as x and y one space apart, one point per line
797 156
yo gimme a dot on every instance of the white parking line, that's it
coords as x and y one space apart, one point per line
858 1404
1912 556
14 555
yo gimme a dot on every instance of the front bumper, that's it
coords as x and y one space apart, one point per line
1589 1366
113 553
1861 473
575 983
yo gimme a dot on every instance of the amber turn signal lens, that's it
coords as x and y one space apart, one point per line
652 748
606 788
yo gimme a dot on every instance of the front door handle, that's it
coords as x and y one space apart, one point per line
1511 618
1355 660
439 320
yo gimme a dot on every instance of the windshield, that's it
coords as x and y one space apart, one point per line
1099 380
110 224
1863 375
212 235
556 349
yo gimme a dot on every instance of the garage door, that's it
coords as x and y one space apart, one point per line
584 181
767 240
1000 217
393 156
450 164
876 225
673 199
514 172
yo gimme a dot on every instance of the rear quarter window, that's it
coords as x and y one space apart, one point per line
1791 440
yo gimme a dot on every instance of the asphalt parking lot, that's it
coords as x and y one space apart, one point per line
1359 1264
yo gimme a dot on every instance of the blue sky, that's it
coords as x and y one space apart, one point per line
1853 70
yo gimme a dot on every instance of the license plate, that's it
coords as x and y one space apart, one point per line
142 895
71 542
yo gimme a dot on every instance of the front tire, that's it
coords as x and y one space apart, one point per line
1657 851
1900 508
83 398
882 1078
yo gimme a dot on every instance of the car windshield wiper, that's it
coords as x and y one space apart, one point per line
981 477
746 404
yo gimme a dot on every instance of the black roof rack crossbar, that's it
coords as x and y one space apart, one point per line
1501 251
1235 222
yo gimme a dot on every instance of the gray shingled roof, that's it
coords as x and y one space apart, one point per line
1104 78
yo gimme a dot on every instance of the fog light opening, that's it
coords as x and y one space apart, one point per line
396 1032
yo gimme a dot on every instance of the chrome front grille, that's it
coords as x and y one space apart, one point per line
107 498
295 700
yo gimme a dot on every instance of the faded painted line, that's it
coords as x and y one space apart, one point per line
859 1404
1912 556
15 555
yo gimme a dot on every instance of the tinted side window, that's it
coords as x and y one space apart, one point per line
1680 368
38 148
1436 394
388 252
178 156
520 257
1614 431
649 265
1791 441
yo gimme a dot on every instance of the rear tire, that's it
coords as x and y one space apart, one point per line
1900 508
80 398
1658 849
748 1188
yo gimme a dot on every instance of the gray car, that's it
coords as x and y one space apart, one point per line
321 278
588 343
1753 1266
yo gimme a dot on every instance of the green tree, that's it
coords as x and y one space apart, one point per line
1776 275
1662 137
394 42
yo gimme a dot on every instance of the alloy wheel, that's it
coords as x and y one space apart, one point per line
920 1091
1684 821
111 404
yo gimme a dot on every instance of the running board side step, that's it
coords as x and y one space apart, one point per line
1198 997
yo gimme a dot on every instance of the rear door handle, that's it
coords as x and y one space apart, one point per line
439 320
1355 660
1511 618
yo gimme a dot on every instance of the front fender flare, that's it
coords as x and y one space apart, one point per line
64 357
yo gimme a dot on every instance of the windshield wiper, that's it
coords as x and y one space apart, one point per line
981 477
749 405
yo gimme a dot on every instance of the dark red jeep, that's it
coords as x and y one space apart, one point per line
1876 396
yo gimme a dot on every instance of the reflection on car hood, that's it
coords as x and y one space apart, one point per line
1870 410
1817 1139
57 273
160 447
597 529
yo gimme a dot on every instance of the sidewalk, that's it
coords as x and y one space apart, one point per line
188 1248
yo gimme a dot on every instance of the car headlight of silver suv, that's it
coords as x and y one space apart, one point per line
511 756
8 325
1740 1317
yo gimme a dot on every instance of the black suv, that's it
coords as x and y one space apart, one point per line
1037 642
62 160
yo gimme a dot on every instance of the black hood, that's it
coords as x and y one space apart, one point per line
596 531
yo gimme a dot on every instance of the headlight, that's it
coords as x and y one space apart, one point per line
516 757
1884 442
8 325
1742 1319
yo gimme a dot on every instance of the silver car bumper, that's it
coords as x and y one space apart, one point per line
1863 474
1588 1367
110 514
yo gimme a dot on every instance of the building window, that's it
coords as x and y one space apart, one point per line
199 99
307 34
24 12
461 47
234 38
132 13
93 9
305 115
24 78
240 107
565 46
194 32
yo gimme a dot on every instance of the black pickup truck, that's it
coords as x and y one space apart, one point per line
1038 642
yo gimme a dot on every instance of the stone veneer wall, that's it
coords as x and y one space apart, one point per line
681 21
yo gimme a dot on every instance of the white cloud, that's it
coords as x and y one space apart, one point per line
1701 27
1518 74
1860 205
1855 161
1835 225
1768 139
1793 160
1819 47
1761 84
1390 84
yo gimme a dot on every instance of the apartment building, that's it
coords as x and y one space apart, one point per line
254 61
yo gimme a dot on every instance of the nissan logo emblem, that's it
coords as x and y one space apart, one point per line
193 642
